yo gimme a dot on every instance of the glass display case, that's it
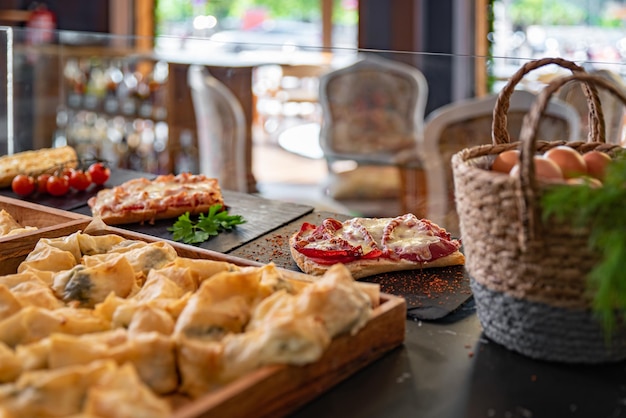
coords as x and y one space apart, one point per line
133 108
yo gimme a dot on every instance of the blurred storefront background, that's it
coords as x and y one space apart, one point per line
243 25
586 31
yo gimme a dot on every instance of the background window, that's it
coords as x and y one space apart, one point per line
244 25
578 30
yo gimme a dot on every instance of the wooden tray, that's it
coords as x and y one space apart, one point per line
280 389
183 250
19 247
275 391
49 221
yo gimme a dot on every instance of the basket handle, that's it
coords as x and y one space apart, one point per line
529 206
499 130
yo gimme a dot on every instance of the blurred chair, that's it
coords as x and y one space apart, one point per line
287 95
612 107
221 127
372 118
467 123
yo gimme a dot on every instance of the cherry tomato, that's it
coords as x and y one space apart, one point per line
23 184
80 179
58 185
99 173
42 182
67 172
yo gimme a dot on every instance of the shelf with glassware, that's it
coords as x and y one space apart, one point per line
116 109
77 92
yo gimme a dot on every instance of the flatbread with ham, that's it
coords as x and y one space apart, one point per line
369 246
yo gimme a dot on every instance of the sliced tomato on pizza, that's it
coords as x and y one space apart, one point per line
331 243
374 245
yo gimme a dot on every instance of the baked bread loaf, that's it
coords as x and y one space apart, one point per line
35 162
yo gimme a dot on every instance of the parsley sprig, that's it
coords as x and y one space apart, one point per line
210 224
603 211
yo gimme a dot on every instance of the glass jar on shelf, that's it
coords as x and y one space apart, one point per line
158 79
113 76
75 82
161 135
187 155
96 87
81 133
142 93
126 92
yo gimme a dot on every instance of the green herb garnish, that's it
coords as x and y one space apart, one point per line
603 211
210 224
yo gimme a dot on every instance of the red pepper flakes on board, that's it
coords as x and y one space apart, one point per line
444 287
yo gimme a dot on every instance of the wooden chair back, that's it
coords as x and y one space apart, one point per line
372 119
372 110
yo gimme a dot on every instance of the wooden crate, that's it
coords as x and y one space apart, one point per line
50 222
275 390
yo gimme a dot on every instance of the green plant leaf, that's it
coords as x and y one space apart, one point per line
603 211
208 224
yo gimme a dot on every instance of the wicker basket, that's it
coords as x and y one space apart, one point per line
529 278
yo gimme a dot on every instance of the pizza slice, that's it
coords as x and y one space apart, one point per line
369 246
165 197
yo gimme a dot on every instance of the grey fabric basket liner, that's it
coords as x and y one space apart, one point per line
546 332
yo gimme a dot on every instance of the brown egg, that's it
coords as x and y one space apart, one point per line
545 169
569 160
596 163
585 180
505 161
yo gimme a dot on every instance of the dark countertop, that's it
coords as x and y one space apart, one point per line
446 367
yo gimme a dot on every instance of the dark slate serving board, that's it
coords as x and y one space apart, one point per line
261 215
430 293
274 247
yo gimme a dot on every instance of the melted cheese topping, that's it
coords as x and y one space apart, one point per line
375 226
403 235
366 233
409 239
158 195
